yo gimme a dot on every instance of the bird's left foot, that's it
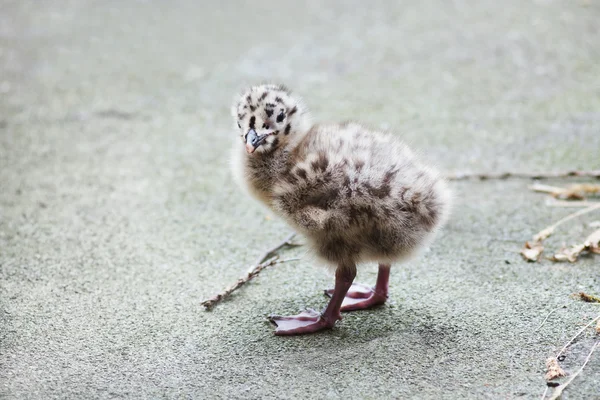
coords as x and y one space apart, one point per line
360 297
306 322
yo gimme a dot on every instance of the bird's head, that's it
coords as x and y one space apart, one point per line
269 117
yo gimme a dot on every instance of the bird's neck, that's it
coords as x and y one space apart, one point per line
264 170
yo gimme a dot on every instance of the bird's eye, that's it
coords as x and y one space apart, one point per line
281 116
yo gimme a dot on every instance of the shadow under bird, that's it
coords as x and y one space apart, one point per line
356 194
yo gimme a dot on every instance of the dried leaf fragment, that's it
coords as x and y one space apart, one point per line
578 191
573 192
591 244
532 251
541 188
544 234
588 298
569 254
598 327
553 370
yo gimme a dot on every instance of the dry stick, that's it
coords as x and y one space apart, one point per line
287 242
210 303
574 215
545 391
558 391
576 335
533 250
523 175
548 316
573 204
267 259
544 233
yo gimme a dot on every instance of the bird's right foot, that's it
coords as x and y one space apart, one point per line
306 322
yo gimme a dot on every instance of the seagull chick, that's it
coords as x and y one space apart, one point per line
356 194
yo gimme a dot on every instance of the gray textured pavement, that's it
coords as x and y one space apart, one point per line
118 214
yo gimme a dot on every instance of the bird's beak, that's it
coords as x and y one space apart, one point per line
253 140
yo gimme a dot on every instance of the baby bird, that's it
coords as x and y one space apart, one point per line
357 195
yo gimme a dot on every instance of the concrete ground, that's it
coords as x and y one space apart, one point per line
118 214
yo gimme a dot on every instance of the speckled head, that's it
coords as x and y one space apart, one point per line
269 117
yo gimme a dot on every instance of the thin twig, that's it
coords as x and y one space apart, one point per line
523 175
267 259
574 215
210 303
546 232
573 204
576 335
558 391
532 251
548 316
545 391
287 242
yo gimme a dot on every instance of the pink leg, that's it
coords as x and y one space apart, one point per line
360 297
311 321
